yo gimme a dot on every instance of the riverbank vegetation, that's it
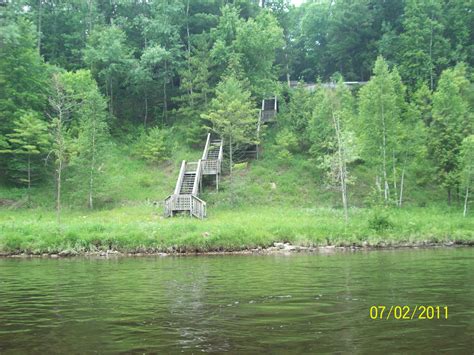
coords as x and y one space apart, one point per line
101 101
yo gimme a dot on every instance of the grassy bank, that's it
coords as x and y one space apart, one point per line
270 202
142 229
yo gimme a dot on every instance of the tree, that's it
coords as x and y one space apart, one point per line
61 106
232 115
109 58
334 112
196 84
296 115
161 31
23 76
467 168
153 146
88 116
257 41
379 115
29 140
452 122
424 49
351 39
252 44
155 61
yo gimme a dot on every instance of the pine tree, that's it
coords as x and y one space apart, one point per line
232 115
29 140
153 146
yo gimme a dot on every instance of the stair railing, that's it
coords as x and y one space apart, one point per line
206 147
197 178
220 156
177 189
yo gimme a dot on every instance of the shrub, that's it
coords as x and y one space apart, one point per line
380 222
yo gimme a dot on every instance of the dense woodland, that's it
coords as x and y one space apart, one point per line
80 77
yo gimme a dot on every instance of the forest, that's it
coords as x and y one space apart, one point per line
101 100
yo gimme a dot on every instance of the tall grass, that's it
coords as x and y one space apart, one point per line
142 229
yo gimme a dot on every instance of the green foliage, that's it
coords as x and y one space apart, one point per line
28 143
231 113
297 116
452 121
153 145
250 46
108 56
380 113
380 222
23 81
424 49
287 144
466 163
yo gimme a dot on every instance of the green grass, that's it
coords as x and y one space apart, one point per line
270 201
142 229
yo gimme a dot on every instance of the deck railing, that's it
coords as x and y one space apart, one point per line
191 203
211 167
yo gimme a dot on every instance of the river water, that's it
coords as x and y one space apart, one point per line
295 303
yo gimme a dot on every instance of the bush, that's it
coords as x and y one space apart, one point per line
380 222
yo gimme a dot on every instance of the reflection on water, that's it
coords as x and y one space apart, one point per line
297 303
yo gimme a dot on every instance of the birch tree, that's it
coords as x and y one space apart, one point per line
89 116
452 122
379 114
334 111
467 169
61 106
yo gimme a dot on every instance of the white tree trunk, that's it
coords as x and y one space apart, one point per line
466 199
384 156
92 167
341 163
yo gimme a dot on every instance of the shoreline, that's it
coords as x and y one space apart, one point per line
277 248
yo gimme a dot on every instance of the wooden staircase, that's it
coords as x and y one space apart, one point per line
185 197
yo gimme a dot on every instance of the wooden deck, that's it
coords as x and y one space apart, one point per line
189 183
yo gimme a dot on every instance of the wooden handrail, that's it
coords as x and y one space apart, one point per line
221 156
180 178
199 212
197 178
206 147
